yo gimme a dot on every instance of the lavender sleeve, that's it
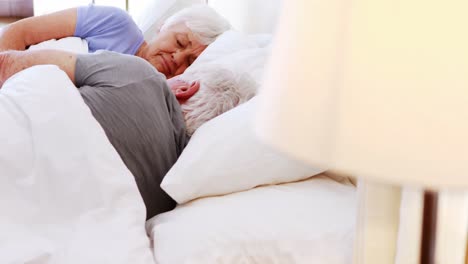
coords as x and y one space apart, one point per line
108 28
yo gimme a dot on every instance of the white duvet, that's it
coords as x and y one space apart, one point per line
306 222
66 197
65 194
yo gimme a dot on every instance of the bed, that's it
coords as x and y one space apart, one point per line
239 201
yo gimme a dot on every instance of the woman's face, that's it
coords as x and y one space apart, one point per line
174 50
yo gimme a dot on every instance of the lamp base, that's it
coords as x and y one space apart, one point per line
429 228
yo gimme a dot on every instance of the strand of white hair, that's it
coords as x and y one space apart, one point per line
220 91
202 20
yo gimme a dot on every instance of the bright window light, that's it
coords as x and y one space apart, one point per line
116 3
42 7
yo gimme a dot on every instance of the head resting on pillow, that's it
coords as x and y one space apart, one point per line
209 91
182 38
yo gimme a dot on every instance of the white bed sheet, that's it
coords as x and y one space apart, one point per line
65 194
71 44
312 221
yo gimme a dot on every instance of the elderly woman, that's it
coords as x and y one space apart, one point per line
178 43
146 120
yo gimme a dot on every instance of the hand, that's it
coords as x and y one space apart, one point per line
3 66
8 66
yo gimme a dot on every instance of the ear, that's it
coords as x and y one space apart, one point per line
186 91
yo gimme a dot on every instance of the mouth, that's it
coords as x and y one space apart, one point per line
167 65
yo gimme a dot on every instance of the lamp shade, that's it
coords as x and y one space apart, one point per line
374 88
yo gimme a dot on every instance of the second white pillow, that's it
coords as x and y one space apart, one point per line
224 156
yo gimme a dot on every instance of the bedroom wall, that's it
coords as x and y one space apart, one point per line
16 8
150 14
249 16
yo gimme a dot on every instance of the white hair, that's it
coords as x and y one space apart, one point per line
220 90
202 20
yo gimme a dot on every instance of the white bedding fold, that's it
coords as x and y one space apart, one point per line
65 194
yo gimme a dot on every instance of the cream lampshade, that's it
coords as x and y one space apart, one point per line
374 88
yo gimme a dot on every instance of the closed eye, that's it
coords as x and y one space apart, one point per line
179 44
190 60
182 40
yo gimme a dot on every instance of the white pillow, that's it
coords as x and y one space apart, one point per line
312 221
71 44
250 61
262 40
234 51
150 14
227 43
224 156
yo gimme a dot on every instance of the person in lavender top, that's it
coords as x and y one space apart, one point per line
179 41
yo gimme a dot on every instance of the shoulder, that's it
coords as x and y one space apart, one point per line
103 12
91 17
122 62
130 63
108 28
114 69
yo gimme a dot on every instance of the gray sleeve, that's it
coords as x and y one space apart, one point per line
111 69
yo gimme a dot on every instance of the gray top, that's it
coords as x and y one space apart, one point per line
140 116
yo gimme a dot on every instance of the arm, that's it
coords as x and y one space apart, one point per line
30 31
106 69
102 69
12 62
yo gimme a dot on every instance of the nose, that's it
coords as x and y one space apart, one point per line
180 58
